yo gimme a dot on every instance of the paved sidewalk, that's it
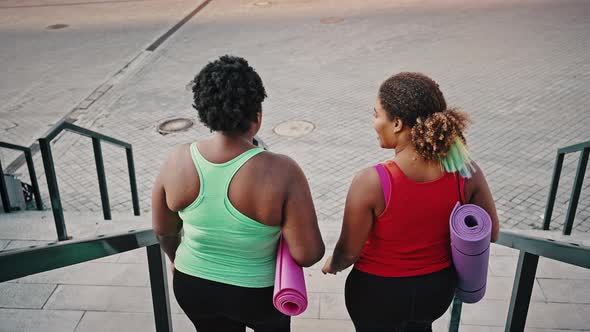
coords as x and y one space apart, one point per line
521 70
49 73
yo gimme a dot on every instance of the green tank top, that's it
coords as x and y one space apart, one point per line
219 242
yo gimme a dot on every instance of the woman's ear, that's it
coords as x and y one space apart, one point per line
398 125
255 127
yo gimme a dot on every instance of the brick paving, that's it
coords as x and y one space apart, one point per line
520 70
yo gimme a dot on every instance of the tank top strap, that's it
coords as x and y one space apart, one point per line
385 182
198 158
200 164
214 177
460 187
238 162
395 172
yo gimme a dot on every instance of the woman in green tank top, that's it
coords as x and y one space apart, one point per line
231 200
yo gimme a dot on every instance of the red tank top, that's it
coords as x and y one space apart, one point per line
411 237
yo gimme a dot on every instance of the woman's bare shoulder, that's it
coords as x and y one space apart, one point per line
281 169
282 162
477 175
175 158
474 183
367 182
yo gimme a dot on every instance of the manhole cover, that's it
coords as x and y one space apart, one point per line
294 128
57 26
262 3
174 125
331 20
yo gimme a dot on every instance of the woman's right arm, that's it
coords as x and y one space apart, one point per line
300 224
478 192
165 222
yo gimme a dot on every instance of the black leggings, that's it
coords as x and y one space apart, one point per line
398 304
218 307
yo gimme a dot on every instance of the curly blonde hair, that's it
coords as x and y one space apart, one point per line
434 135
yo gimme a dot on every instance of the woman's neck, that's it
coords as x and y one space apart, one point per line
234 139
415 166
407 154
406 151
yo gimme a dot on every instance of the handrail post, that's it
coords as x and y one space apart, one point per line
575 197
58 214
4 191
33 176
102 179
455 315
522 290
159 288
553 190
132 181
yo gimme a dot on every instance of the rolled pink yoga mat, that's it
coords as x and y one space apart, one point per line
471 229
290 295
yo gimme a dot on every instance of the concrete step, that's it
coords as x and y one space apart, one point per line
21 229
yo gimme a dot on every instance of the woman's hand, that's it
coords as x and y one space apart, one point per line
328 268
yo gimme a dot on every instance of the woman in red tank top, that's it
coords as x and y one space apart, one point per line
396 219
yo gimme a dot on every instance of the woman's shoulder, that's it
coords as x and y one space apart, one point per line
367 174
272 160
475 181
477 175
280 168
175 157
367 180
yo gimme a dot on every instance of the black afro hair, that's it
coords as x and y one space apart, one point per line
228 95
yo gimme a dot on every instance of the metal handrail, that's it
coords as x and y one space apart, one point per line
32 175
559 250
531 248
48 164
584 149
20 263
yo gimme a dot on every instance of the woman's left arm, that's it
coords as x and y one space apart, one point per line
478 192
359 214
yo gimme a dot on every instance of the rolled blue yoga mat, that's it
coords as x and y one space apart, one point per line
471 230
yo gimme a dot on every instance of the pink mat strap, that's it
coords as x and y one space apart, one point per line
385 182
